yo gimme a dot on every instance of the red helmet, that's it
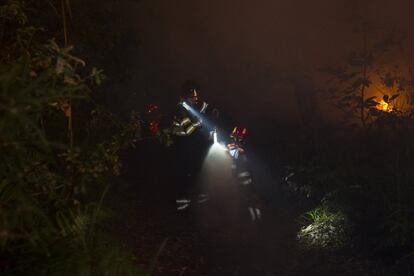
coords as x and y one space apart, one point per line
239 132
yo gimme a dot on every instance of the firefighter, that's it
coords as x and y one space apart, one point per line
242 173
191 142
191 111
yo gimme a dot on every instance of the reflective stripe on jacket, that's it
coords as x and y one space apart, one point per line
185 127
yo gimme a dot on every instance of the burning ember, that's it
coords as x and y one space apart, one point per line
384 106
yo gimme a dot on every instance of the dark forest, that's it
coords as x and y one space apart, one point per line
227 137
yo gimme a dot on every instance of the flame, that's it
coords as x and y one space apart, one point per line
384 106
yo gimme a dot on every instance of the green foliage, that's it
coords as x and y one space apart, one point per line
364 172
312 180
15 34
324 229
51 192
354 87
367 175
399 227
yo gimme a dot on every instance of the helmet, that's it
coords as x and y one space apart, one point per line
190 90
239 133
191 93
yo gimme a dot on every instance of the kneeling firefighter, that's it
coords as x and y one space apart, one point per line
191 142
242 172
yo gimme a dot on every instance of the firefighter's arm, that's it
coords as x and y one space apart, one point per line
192 127
185 127
177 129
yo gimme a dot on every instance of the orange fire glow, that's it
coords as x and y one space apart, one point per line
384 106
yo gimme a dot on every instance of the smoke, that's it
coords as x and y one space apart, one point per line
246 55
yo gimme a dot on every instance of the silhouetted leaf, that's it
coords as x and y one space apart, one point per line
394 97
370 102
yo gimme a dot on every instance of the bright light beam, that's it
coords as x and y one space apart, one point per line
194 112
216 148
217 166
187 106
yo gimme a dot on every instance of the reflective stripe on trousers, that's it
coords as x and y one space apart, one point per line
245 178
255 213
184 203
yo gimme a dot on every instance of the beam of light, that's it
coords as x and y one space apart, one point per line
217 147
197 114
190 109
186 106
217 162
217 166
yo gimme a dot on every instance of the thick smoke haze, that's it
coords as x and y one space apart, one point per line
248 57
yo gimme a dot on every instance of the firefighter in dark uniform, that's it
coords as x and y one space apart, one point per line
191 143
243 174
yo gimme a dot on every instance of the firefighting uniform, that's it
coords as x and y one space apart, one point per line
243 174
191 145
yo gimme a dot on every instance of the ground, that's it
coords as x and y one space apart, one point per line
213 238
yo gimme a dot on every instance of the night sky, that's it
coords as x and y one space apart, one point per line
246 55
